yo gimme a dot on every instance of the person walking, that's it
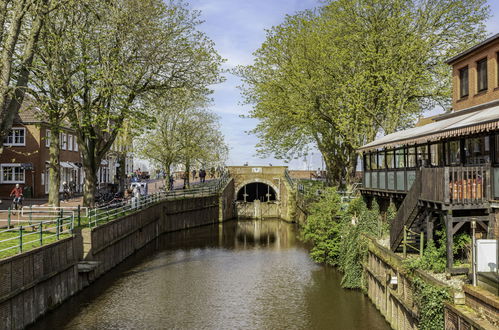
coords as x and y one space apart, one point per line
194 175
65 192
202 175
171 182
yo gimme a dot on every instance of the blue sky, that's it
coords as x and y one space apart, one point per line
238 28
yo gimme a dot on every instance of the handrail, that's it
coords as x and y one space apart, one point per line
405 213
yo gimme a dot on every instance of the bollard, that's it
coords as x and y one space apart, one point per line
421 244
57 230
404 247
41 233
8 219
30 213
79 215
20 238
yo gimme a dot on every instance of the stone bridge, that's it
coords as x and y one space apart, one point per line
262 192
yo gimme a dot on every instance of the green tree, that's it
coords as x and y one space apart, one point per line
20 25
115 53
335 77
184 133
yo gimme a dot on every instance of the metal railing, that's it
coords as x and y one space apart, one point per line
31 226
118 209
20 238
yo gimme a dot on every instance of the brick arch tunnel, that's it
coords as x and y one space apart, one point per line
256 191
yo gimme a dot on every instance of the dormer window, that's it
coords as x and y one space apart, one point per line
463 82
481 69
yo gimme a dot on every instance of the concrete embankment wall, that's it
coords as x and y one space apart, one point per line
111 243
36 281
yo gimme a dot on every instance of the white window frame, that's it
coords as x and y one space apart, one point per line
76 144
47 138
5 165
70 142
63 141
18 144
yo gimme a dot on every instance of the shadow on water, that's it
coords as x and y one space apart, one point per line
240 274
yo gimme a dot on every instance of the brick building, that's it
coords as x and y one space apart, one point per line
25 157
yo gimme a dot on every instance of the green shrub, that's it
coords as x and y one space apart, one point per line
430 300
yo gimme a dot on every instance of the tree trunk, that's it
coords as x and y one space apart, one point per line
188 172
54 167
168 173
122 171
90 190
11 98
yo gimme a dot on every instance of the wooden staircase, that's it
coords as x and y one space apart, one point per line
407 214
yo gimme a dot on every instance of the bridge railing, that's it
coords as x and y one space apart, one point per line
289 178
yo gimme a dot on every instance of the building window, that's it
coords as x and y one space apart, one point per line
70 142
463 82
411 157
422 155
390 159
374 162
477 150
400 158
47 138
76 144
436 154
12 173
63 141
481 69
16 137
453 153
381 160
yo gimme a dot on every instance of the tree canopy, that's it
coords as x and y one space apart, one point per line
335 77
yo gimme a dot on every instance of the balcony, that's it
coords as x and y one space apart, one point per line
452 186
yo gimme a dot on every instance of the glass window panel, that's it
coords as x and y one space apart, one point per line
481 67
453 153
422 155
373 161
477 150
381 160
411 157
463 82
390 159
436 154
400 158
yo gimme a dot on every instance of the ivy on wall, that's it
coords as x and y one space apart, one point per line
430 300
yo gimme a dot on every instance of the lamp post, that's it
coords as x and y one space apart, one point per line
473 252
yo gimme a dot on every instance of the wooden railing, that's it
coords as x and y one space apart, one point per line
457 185
451 185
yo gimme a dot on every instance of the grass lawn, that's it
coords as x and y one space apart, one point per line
31 240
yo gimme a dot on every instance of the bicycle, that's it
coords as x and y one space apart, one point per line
16 205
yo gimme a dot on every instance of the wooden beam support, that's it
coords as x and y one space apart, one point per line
450 241
456 227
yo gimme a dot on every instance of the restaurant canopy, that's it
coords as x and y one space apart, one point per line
445 126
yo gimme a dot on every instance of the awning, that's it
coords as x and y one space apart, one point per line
104 162
466 124
68 165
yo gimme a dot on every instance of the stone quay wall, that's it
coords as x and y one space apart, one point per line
471 308
36 281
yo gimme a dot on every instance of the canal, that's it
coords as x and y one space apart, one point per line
246 274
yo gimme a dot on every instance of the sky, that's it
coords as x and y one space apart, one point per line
238 29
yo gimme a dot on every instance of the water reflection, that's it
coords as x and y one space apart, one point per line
236 275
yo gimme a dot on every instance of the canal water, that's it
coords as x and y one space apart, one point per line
237 275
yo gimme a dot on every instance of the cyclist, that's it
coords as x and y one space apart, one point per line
17 192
